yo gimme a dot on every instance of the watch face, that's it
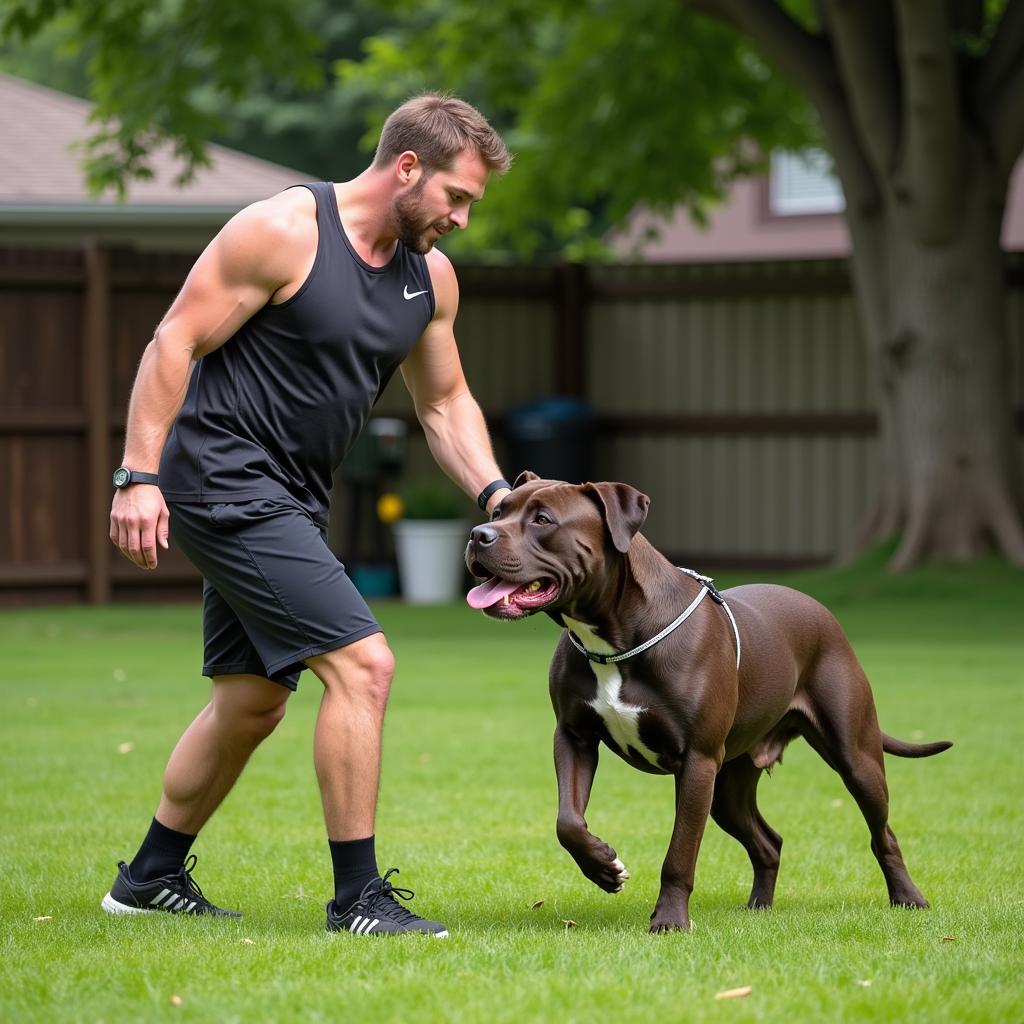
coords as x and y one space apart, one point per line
121 477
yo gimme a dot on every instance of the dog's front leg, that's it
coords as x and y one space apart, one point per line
695 786
575 766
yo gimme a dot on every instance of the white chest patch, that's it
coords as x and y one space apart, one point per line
620 719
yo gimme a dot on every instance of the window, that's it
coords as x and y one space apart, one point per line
803 182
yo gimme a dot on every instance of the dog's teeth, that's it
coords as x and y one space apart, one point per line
505 599
534 586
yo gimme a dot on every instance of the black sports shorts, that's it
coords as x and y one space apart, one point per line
273 592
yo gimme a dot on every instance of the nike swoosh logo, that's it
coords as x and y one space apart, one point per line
412 295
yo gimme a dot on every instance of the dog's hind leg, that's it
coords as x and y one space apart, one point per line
845 733
734 810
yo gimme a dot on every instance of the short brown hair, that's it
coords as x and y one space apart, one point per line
437 128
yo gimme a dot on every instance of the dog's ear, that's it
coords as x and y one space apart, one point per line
524 478
625 509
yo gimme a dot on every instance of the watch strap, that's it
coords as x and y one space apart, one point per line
134 476
485 494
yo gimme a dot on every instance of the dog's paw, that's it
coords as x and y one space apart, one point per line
662 923
602 866
620 875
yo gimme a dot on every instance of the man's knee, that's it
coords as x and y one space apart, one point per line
248 708
362 670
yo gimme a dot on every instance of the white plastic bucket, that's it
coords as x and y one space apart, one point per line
431 558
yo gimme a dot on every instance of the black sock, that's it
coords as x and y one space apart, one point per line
162 852
355 864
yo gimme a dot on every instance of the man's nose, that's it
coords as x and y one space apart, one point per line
460 218
483 536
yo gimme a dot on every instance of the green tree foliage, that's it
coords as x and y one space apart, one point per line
605 103
316 129
166 73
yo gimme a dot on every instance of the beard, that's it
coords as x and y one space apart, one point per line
411 226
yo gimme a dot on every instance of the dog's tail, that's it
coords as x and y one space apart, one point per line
901 748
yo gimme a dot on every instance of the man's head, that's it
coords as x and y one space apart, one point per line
441 151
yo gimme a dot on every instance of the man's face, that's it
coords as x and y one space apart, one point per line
439 202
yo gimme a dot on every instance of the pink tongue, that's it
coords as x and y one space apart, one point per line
490 592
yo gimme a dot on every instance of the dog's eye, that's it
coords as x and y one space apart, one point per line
541 519
495 513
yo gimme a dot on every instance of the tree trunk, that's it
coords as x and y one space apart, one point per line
934 320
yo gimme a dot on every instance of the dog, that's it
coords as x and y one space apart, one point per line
680 680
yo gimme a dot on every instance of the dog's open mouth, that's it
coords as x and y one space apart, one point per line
503 599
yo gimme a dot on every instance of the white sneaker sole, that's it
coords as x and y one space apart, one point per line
111 906
389 935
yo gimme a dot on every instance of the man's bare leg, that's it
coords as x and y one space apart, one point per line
357 680
243 711
205 764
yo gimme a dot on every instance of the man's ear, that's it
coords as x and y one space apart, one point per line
408 167
524 478
625 509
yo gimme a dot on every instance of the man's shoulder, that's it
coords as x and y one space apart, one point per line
441 270
287 214
281 227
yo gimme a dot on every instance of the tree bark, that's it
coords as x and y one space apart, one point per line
924 152
933 318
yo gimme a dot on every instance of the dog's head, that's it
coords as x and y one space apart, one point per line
547 541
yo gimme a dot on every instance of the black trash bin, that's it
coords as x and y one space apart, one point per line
553 437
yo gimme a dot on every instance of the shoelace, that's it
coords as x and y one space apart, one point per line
191 885
379 891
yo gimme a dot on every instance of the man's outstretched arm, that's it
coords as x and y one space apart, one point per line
452 421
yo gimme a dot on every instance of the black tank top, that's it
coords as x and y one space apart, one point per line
274 410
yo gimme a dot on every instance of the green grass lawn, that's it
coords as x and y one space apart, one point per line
95 698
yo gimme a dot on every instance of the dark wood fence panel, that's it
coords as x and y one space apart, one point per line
736 394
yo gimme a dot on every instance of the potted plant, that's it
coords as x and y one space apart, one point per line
431 529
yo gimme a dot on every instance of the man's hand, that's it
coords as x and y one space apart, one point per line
138 522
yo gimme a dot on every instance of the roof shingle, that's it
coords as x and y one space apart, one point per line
37 165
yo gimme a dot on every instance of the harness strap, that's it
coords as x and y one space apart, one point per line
707 587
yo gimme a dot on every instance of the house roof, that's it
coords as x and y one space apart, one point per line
40 176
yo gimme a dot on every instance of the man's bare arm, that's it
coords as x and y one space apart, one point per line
452 421
250 260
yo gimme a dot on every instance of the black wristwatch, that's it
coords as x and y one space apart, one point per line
125 477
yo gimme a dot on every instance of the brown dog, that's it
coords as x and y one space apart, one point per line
714 702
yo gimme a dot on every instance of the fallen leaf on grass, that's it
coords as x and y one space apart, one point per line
537 904
735 993
865 983
837 803
44 917
949 938
569 924
248 942
176 1000
125 748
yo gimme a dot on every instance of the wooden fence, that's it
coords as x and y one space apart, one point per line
736 395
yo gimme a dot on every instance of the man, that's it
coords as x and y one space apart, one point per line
255 385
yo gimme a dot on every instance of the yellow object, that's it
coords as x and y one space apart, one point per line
389 508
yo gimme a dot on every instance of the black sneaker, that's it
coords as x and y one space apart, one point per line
377 912
174 894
